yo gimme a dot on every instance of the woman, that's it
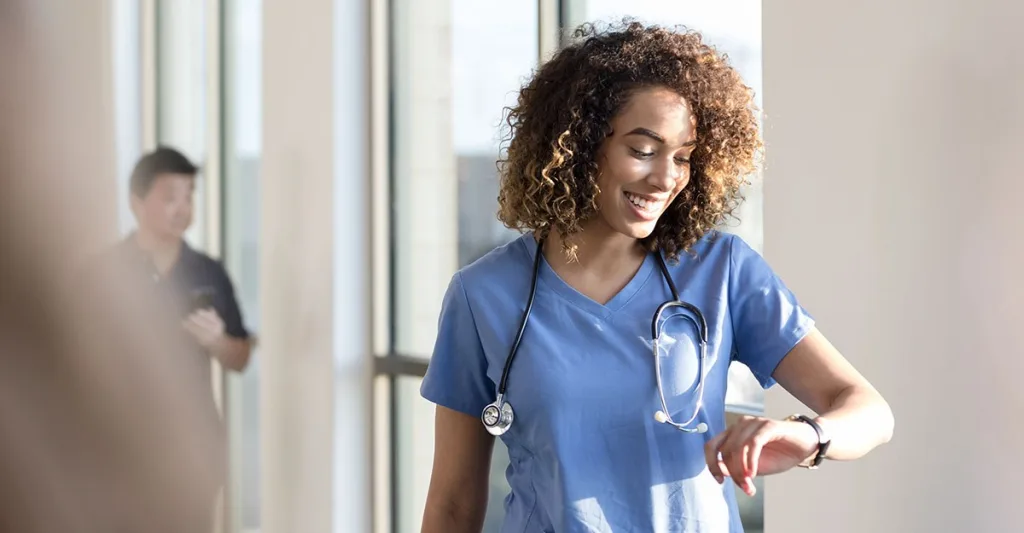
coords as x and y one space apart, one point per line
627 149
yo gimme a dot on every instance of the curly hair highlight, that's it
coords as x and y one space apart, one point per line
563 115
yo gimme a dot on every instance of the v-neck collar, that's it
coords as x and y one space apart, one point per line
552 280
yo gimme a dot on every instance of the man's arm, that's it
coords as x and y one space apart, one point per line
221 330
232 352
209 331
234 348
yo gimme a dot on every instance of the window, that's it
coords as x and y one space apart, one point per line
127 100
455 64
182 121
207 63
242 121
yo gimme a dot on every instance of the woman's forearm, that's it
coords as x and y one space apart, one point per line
450 517
857 421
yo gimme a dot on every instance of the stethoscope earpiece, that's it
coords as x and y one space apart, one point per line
661 417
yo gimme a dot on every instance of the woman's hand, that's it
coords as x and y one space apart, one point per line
758 446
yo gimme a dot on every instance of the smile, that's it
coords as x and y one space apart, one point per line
643 204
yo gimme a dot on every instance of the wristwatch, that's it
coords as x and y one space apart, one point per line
823 441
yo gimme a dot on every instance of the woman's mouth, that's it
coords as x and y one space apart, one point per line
644 208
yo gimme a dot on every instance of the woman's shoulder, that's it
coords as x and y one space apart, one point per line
719 257
500 268
713 249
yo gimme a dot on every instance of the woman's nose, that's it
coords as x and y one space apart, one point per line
665 175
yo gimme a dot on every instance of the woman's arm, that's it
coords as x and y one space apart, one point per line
852 413
850 410
457 497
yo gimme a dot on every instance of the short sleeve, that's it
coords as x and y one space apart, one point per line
767 320
228 308
456 376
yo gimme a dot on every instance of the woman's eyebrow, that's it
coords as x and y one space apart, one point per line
648 133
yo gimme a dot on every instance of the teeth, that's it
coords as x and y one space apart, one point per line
641 203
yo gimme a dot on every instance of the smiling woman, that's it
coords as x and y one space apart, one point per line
652 115
681 76
627 149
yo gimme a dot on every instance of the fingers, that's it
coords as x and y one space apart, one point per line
205 318
758 440
736 452
204 315
205 325
193 328
712 458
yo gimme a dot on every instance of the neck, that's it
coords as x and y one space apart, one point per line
599 248
162 251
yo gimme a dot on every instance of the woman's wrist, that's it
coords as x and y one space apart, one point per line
813 439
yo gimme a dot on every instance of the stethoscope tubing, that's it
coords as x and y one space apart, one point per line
502 412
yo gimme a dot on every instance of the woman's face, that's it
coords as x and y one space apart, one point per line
644 163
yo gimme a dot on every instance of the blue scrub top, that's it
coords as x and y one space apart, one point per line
586 454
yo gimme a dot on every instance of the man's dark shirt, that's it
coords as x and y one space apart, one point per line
194 277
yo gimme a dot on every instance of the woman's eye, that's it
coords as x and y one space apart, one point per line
639 153
682 161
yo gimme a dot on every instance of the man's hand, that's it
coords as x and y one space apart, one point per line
206 327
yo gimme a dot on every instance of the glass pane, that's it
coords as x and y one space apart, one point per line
448 96
448 100
181 89
242 149
127 63
414 450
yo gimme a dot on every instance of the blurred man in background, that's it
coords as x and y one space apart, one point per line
194 288
104 426
162 190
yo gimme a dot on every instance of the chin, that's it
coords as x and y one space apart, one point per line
637 231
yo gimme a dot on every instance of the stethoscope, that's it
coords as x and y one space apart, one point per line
498 416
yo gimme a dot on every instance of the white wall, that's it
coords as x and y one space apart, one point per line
892 207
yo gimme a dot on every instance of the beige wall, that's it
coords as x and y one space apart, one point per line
58 98
296 231
892 207
314 252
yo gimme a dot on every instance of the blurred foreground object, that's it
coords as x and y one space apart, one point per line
101 430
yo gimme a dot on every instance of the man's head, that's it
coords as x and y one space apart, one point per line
162 184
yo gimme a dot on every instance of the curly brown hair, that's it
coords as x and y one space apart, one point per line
563 114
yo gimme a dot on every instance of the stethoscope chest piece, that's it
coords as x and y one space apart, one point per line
497 417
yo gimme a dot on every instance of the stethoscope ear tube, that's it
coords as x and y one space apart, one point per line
498 416
522 322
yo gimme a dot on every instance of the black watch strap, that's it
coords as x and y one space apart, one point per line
823 440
